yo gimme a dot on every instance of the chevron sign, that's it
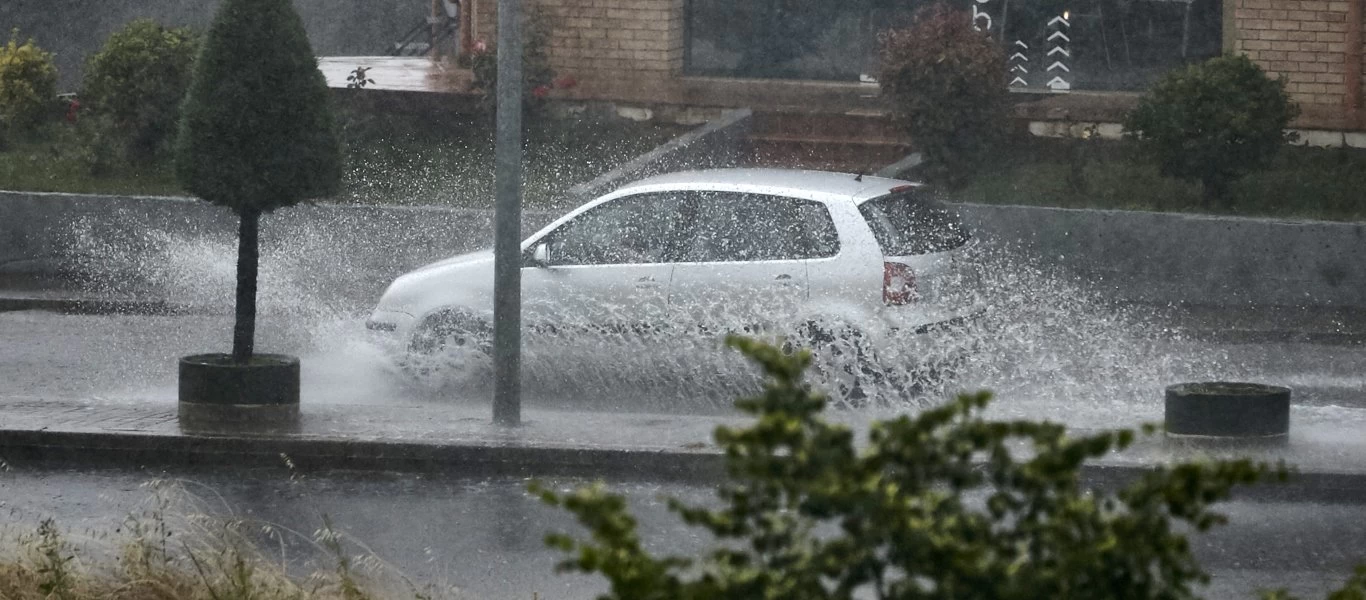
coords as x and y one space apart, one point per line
1058 52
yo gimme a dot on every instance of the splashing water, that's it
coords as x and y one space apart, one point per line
1049 345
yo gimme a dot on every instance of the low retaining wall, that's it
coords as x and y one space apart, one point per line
1177 258
175 246
185 248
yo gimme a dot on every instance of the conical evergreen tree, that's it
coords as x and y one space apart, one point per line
256 131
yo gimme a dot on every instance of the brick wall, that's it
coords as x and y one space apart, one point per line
605 44
1303 41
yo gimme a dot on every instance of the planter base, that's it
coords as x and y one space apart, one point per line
1220 411
217 394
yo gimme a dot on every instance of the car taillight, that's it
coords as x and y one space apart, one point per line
898 284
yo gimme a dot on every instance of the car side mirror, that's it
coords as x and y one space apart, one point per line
540 255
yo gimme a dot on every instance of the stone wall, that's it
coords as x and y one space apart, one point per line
1304 41
607 45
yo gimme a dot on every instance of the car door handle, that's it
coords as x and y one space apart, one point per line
783 276
785 280
647 282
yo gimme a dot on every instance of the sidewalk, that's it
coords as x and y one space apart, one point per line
462 441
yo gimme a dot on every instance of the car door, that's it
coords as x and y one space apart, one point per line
606 269
744 267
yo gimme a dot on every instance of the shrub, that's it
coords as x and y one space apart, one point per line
946 85
257 131
138 80
944 504
538 78
28 85
1213 122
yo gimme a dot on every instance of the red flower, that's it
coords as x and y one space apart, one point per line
540 91
566 82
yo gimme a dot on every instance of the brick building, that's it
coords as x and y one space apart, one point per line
701 52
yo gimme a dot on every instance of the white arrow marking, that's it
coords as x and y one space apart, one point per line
1022 57
1019 68
1021 44
1058 83
1059 34
1057 49
1059 65
1055 20
1018 81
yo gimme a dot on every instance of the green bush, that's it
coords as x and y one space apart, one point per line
138 80
946 85
1213 122
28 85
538 78
257 131
944 504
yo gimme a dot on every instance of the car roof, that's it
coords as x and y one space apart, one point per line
823 185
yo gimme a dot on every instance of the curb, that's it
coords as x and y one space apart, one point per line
90 306
466 460
135 450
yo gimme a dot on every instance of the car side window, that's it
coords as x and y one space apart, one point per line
629 230
738 227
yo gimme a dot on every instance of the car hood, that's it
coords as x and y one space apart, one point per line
471 259
465 278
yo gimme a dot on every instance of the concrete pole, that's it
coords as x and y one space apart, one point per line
507 228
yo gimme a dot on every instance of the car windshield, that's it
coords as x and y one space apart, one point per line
913 222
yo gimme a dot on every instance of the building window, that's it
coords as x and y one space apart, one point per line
1106 44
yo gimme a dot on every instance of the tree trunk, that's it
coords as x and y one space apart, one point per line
248 254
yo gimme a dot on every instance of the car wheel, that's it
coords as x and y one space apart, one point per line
842 363
448 342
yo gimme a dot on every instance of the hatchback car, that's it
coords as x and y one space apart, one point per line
830 257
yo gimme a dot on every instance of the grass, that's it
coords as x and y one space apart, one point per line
167 553
1302 183
394 159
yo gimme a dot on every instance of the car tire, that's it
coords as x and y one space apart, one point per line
448 340
841 362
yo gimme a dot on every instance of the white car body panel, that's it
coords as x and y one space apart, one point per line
845 287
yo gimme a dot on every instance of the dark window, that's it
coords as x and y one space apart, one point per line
912 222
732 227
630 230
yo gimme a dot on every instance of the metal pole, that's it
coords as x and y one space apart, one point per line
507 228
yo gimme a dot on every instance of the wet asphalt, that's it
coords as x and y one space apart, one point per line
486 536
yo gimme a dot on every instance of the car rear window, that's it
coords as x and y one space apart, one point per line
913 222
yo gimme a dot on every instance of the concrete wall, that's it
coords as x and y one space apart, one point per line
175 246
1159 257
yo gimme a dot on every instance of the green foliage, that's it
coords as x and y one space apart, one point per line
257 130
137 81
28 85
538 78
944 504
1213 122
946 85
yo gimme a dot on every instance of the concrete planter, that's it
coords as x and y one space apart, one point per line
219 394
1228 411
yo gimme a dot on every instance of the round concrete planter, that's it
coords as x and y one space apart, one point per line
219 394
1228 411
